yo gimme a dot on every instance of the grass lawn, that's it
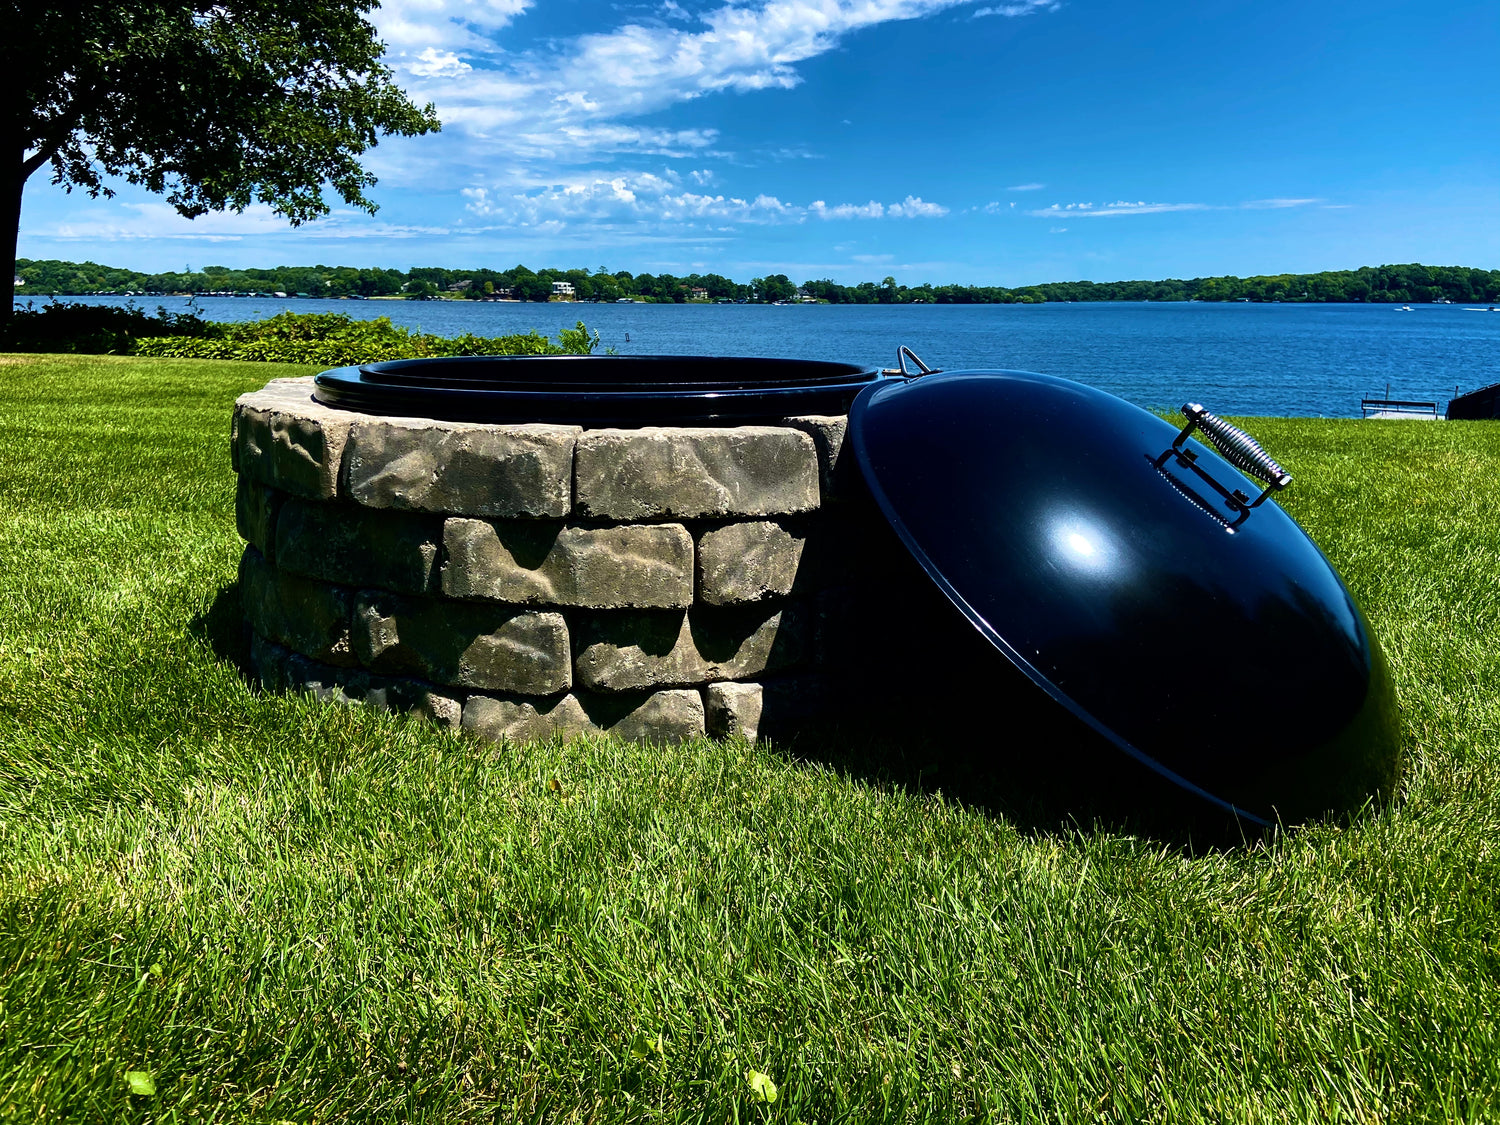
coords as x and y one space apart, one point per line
269 909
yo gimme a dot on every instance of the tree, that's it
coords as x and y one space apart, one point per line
777 287
215 103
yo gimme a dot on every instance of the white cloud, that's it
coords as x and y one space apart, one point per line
1019 8
1119 207
870 210
624 198
1277 204
1026 187
578 143
914 207
1141 207
435 63
410 26
129 222
648 198
512 102
520 124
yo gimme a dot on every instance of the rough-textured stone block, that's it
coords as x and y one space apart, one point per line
281 669
234 439
255 508
732 710
389 694
748 562
464 468
498 648
359 546
525 720
678 472
284 438
665 716
626 651
527 563
837 474
774 709
305 615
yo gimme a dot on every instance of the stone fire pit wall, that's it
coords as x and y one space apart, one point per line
522 581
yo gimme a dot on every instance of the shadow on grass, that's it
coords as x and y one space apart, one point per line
1010 753
222 628
1043 788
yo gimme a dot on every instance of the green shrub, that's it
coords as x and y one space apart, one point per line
334 340
329 339
96 329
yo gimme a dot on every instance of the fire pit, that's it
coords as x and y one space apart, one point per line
505 546
666 547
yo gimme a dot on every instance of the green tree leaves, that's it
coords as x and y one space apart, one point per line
216 104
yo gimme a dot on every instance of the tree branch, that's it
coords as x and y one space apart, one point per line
42 155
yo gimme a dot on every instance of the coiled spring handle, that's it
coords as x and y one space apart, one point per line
1235 446
1238 448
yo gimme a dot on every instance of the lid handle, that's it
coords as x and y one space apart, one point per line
1235 446
903 353
1238 448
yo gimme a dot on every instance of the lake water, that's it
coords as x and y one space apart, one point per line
1234 358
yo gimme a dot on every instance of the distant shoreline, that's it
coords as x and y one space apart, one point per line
1389 284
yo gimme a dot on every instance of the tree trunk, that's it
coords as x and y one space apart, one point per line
12 183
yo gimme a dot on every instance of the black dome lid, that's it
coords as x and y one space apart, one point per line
1215 645
596 390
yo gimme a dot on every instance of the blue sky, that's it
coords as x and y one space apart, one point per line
988 141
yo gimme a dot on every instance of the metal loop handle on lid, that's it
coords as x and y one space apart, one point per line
903 353
1234 445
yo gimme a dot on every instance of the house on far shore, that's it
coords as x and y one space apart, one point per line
697 293
563 290
20 281
806 298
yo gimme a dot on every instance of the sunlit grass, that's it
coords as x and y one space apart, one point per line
282 910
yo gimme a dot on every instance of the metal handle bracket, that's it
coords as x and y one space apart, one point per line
1235 446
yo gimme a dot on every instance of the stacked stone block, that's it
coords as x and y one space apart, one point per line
524 581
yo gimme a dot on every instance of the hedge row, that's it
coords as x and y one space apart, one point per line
328 339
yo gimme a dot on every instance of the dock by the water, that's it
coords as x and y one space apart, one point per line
1399 408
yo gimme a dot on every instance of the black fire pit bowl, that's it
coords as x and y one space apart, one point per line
597 390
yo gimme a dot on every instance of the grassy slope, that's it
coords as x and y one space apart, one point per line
290 911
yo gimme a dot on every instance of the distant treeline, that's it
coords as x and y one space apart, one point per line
1390 284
